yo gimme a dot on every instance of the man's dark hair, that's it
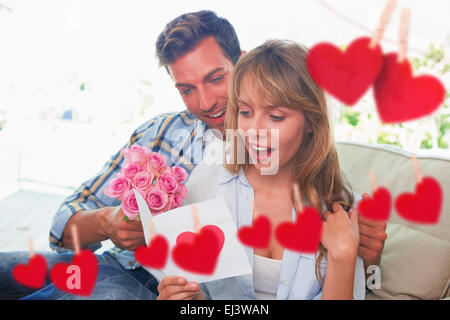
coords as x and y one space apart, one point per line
183 33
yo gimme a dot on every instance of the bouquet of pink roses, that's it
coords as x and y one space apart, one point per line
160 185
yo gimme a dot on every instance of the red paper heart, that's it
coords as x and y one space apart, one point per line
378 207
155 254
400 96
304 234
257 235
78 277
32 274
423 206
189 237
345 75
199 253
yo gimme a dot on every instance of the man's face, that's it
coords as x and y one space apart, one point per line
201 76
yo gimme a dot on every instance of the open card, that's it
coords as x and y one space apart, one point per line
232 261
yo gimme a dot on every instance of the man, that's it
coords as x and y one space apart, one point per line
198 51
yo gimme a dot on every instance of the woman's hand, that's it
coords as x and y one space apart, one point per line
340 233
177 288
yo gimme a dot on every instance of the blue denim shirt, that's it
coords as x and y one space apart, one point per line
297 279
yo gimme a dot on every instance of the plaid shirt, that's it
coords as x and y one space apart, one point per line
178 136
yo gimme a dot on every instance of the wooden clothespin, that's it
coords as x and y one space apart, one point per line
152 228
372 181
385 17
297 197
76 242
417 172
30 247
403 36
196 218
251 205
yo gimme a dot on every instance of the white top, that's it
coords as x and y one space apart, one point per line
266 276
215 181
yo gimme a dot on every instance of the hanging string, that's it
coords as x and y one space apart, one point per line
369 31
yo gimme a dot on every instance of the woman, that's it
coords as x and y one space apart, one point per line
281 115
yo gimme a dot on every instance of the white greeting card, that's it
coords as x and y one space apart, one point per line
232 260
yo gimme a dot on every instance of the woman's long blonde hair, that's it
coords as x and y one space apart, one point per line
278 71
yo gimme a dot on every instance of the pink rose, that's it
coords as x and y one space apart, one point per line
129 205
136 154
156 162
129 170
157 200
143 180
178 172
117 187
182 191
175 201
167 183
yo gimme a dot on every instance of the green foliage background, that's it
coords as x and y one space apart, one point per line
434 129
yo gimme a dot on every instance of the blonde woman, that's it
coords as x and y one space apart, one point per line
271 91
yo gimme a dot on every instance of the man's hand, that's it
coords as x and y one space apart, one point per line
127 235
177 288
372 235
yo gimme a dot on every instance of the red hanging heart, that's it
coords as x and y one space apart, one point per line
199 252
345 75
400 96
32 274
378 207
189 237
423 206
304 234
155 254
257 235
78 277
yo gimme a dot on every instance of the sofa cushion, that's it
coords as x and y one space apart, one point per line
414 265
393 169
416 258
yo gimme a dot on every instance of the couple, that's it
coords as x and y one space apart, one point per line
267 88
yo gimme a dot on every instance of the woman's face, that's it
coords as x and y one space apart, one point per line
258 113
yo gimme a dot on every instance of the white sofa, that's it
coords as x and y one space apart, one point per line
415 263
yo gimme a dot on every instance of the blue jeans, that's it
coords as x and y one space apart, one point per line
113 281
